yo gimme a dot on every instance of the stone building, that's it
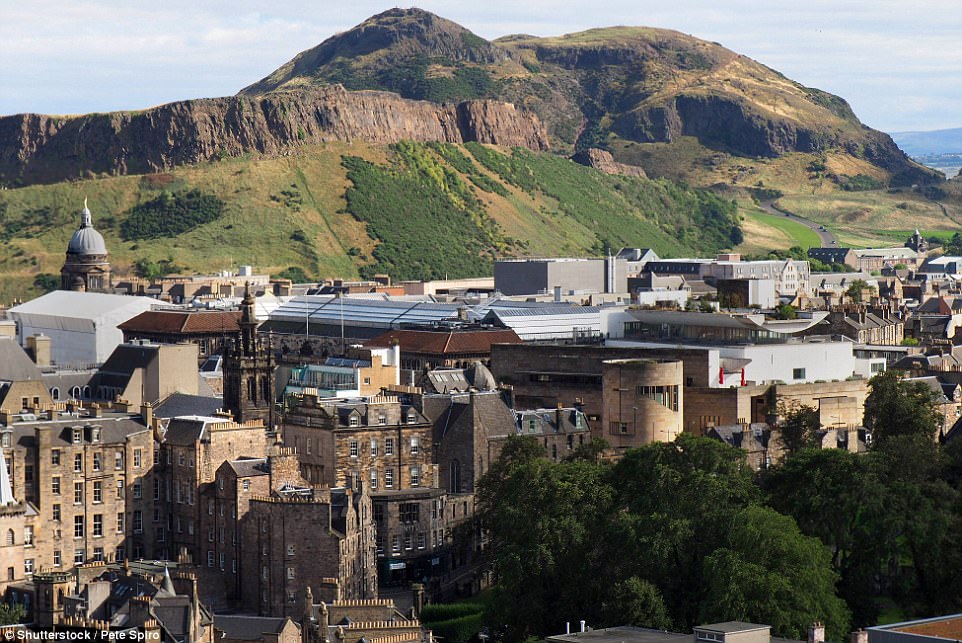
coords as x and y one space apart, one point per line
90 479
385 446
209 329
86 267
643 401
191 451
299 537
249 370
142 372
337 620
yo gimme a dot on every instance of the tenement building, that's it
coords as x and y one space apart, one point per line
385 446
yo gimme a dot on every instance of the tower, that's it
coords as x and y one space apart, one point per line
249 370
917 242
86 266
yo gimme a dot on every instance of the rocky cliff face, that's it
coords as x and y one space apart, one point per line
41 149
603 160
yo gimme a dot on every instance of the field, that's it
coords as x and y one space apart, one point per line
764 232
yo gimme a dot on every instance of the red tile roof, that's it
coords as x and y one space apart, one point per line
175 321
454 342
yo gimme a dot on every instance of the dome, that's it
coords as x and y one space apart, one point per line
86 240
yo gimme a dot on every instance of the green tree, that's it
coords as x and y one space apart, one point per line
12 614
786 311
798 426
896 407
856 290
46 282
766 571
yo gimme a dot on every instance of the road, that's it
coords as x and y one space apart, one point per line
827 238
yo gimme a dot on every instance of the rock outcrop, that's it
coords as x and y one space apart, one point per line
604 161
41 149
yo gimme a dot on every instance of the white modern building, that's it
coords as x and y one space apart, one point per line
82 326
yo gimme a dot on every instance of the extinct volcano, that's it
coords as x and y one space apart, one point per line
599 88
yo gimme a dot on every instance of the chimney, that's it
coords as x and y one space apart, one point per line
39 348
859 636
816 633
147 413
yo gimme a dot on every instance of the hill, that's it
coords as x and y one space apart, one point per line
614 88
414 210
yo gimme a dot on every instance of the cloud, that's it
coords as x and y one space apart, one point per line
893 60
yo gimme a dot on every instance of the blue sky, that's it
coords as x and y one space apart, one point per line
898 62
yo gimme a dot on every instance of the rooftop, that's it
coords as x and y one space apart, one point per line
943 627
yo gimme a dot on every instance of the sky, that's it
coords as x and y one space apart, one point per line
897 62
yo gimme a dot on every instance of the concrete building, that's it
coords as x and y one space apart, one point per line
83 327
142 372
642 401
571 275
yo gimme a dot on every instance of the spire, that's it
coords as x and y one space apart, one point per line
167 585
6 491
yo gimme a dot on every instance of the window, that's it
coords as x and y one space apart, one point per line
210 557
210 507
290 573
247 485
180 458
373 446
354 421
373 478
55 457
120 522
28 566
310 444
382 419
407 542
412 417
409 512
121 553
395 544
78 493
99 554
210 534
98 491
78 463
55 485
353 448
78 556
421 541
415 476
138 522
11 538
28 473
138 455
220 561
95 434
56 512
98 524
389 446
415 445
190 526
28 535
78 526
119 460
77 435
120 488
156 488
156 514
290 550
57 558
233 565
98 462
798 373
389 478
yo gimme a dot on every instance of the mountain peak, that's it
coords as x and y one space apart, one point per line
396 36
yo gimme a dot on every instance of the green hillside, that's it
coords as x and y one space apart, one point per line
415 211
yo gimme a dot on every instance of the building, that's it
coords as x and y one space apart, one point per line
834 255
141 372
89 478
569 275
249 370
299 537
86 267
928 630
83 327
209 329
359 373
384 446
454 346
353 621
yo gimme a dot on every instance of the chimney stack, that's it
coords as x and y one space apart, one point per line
816 633
859 636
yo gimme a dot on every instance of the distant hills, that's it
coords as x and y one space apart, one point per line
942 141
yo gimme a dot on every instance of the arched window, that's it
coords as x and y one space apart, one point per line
10 537
86 392
55 393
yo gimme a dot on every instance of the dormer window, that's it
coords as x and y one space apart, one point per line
5 440
354 421
95 434
78 435
412 417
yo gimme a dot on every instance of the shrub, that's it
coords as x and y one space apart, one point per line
171 214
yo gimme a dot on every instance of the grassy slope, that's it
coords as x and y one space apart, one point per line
292 211
793 233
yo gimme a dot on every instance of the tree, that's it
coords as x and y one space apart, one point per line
786 311
12 614
856 290
898 407
46 282
798 426
766 571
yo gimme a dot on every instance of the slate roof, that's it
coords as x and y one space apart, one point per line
15 365
185 431
180 404
183 322
249 467
248 628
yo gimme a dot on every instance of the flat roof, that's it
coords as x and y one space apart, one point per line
729 627
943 627
626 634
